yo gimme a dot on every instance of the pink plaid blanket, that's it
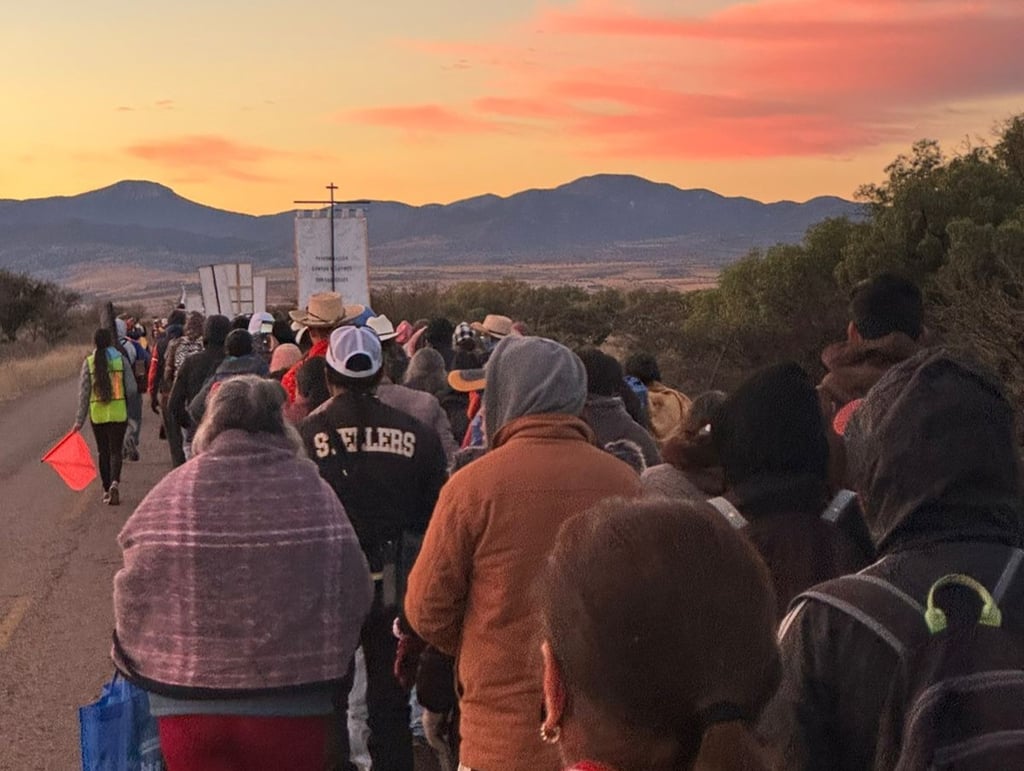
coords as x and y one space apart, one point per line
241 572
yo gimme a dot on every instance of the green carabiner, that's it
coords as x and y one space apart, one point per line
935 617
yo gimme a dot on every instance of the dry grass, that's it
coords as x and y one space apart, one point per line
21 375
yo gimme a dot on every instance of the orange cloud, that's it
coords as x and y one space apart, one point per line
529 108
764 78
424 119
206 156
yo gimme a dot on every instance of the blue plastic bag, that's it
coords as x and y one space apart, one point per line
117 731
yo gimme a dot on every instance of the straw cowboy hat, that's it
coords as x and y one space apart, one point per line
494 326
326 310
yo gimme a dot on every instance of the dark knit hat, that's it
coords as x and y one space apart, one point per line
238 343
604 373
283 332
439 332
644 367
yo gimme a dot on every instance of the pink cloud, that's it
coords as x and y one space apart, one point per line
208 156
883 49
760 78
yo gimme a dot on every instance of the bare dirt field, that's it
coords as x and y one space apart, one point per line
157 289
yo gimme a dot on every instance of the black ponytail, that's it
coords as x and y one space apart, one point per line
102 386
362 390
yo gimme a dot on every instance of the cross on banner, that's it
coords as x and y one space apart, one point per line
340 265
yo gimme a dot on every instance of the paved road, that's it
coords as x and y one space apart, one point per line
58 556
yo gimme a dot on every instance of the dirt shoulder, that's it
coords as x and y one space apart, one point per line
58 556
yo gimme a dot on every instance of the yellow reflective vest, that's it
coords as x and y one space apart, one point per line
116 410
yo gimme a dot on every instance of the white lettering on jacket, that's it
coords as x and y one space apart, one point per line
375 439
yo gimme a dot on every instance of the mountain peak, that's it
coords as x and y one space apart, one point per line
134 190
617 185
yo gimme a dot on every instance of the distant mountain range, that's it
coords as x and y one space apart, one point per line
599 218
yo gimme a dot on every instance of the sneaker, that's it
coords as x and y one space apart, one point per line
114 496
134 456
106 496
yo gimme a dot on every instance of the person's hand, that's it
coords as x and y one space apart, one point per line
407 659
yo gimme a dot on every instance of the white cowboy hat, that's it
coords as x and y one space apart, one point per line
383 327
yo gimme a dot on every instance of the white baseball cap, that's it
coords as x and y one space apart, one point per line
261 323
354 352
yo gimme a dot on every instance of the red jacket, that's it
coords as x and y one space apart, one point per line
289 380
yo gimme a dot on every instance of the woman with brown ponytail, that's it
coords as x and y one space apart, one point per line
102 397
659 641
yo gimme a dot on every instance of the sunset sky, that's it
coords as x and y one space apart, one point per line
249 105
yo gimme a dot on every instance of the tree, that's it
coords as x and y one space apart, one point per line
1009 149
53 320
978 296
38 306
20 299
910 212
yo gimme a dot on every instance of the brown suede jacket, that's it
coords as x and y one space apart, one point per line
470 593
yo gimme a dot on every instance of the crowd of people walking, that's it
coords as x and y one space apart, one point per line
437 546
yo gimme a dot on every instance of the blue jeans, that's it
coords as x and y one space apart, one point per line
390 741
135 416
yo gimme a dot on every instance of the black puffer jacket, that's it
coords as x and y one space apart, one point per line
197 368
933 457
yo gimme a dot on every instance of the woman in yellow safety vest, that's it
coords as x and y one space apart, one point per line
103 392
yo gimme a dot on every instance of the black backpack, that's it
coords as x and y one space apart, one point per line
957 701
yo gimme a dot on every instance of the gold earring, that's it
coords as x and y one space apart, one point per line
550 734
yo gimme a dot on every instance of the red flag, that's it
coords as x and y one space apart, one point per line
72 460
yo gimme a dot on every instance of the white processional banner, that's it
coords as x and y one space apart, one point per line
350 276
231 289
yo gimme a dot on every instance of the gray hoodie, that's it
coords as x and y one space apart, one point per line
532 376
